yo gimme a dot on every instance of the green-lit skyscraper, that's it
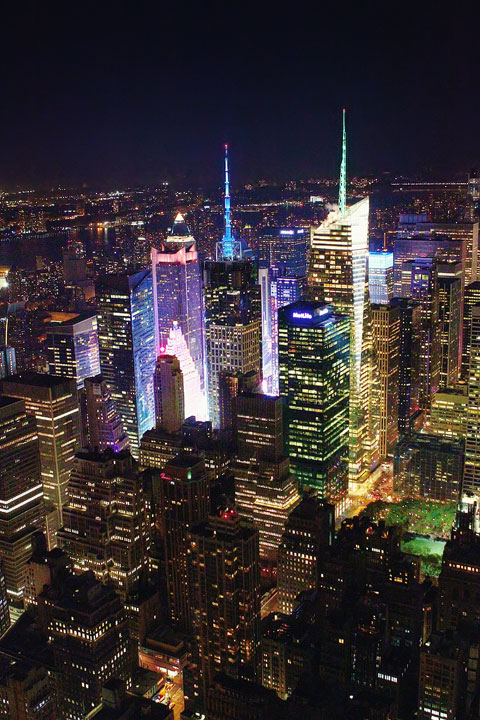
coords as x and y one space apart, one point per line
314 382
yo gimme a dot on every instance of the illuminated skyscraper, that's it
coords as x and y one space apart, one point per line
169 394
265 489
276 292
106 526
126 334
471 481
386 340
409 361
104 424
285 249
21 495
179 313
338 276
420 282
228 248
450 311
225 598
53 403
8 361
471 298
184 499
448 414
233 348
380 277
73 348
314 382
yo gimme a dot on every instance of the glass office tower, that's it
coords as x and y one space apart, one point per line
380 277
338 276
73 348
127 348
314 363
178 307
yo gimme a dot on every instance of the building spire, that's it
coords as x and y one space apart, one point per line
227 240
342 192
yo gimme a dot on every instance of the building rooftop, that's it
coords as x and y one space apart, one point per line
34 379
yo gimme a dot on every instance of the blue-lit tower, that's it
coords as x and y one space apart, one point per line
228 248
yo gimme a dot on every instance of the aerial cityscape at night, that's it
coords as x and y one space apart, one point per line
239 364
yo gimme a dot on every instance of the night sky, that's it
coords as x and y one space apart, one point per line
119 93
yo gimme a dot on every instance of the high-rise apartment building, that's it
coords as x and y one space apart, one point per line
450 311
420 282
224 581
184 499
386 342
178 307
72 348
106 524
104 424
126 332
471 482
338 276
309 531
314 367
53 403
380 277
169 394
21 494
265 489
233 347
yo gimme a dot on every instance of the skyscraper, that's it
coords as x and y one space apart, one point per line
471 298
21 495
184 499
127 348
408 361
228 248
420 282
233 347
106 524
450 311
88 629
169 394
225 598
284 248
471 482
73 348
104 424
338 276
179 314
380 277
265 489
276 292
386 341
314 382
309 531
53 403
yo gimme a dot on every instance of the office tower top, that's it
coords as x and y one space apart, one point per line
169 394
53 402
104 424
127 348
73 349
285 249
380 277
258 423
228 248
180 232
